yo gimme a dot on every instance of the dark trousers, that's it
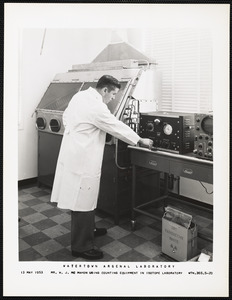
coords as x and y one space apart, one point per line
82 230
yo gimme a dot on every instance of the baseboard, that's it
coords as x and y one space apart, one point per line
28 182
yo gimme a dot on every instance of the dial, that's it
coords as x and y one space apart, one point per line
150 126
167 129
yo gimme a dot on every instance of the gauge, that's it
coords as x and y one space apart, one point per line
150 126
167 129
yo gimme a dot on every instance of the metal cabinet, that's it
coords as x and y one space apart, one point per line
48 151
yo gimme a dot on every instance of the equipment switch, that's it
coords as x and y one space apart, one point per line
157 121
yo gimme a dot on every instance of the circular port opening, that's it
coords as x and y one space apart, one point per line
40 123
54 125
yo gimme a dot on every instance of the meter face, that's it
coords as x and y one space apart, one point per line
167 129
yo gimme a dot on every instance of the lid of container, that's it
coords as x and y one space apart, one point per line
177 216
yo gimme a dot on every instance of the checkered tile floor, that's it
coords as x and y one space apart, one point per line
44 232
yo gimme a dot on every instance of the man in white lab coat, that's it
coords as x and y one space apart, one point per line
87 119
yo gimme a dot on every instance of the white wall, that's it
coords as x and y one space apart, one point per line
193 189
61 49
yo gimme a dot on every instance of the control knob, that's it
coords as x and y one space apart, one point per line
150 126
165 144
157 121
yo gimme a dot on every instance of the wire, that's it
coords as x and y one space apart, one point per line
206 188
116 156
43 41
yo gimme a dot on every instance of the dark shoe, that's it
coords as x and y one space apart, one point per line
90 254
99 231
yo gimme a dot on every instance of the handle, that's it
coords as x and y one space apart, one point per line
153 163
188 171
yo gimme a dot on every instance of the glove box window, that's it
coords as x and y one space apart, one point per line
58 96
40 123
54 125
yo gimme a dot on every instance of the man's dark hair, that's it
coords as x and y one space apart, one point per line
108 81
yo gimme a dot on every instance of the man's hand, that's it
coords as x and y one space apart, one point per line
146 142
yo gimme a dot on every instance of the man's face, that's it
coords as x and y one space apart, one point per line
108 96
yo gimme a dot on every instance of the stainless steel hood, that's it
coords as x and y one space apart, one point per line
121 51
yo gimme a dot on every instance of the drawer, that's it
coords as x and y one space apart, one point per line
149 160
192 171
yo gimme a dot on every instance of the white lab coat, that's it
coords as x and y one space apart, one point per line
77 179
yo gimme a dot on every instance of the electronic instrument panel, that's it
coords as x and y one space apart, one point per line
203 136
170 131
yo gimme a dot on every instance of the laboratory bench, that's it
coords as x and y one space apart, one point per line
166 163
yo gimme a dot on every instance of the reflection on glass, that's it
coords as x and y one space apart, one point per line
58 95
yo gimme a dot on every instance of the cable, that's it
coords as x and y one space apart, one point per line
206 188
116 156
